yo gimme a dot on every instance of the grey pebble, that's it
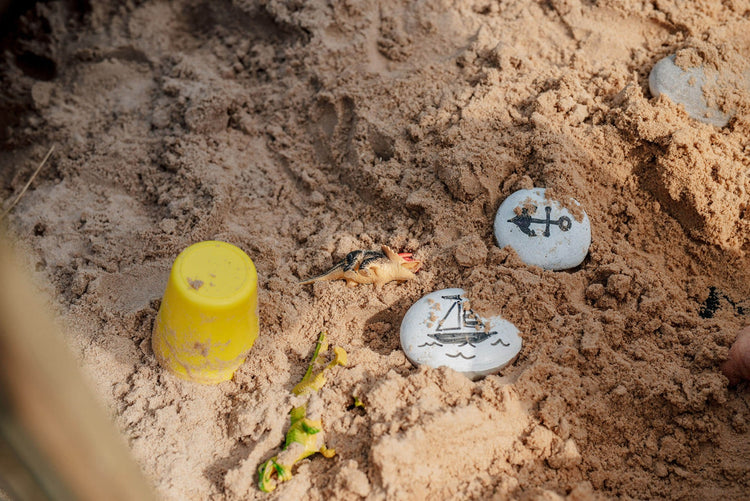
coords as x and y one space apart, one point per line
685 87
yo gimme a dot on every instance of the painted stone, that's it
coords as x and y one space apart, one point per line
441 330
543 232
685 87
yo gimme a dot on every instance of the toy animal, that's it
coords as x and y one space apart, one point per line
305 436
371 267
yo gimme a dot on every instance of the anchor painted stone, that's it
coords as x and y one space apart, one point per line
524 220
543 232
441 330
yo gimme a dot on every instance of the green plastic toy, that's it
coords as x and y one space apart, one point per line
305 436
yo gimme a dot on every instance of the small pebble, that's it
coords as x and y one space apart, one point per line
685 87
441 330
543 232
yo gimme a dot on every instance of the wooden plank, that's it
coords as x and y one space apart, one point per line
49 416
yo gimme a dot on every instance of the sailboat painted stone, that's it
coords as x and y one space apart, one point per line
442 330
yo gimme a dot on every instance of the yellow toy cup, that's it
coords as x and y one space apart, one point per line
208 319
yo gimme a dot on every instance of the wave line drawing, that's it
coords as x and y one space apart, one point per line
500 341
459 354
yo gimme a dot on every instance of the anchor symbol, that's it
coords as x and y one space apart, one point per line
524 221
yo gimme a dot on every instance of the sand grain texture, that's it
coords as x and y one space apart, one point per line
301 131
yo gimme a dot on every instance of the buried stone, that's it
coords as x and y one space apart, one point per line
543 232
441 329
686 87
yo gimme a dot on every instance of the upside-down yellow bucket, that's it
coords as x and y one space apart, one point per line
208 318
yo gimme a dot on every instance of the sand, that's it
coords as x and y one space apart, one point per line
300 131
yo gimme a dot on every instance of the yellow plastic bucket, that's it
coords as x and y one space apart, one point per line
208 318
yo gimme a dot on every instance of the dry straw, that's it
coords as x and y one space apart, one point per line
28 183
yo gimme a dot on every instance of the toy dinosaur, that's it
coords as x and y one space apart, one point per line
305 436
371 267
312 382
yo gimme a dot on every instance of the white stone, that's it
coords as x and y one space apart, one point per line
685 87
441 330
543 232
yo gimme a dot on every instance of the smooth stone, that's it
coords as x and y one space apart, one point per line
441 330
685 87
542 232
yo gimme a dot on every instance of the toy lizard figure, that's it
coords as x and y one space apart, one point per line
371 267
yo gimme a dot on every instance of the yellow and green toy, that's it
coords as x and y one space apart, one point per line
305 436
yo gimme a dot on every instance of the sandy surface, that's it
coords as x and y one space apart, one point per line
300 131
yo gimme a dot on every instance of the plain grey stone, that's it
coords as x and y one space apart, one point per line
685 87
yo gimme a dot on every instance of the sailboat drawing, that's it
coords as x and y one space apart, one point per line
461 326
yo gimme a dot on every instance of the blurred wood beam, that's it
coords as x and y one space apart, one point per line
55 439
